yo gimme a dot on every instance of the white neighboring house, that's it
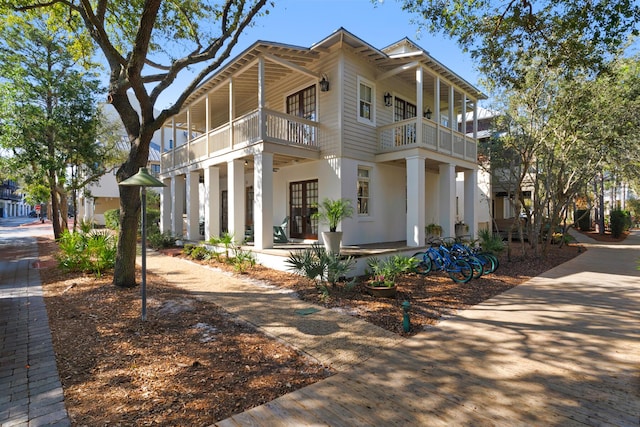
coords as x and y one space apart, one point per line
105 195
282 127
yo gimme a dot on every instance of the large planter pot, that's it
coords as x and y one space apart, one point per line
332 241
461 230
382 291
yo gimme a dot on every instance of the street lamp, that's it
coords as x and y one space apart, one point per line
143 180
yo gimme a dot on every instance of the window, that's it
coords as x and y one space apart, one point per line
155 169
363 191
366 105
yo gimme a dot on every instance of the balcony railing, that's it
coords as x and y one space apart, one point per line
254 127
401 135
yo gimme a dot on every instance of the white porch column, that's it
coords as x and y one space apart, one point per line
471 201
447 202
263 200
211 202
415 200
419 103
236 192
177 205
165 205
88 209
193 205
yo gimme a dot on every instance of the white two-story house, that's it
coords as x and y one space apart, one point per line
282 127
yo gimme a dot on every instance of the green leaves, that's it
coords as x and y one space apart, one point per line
506 38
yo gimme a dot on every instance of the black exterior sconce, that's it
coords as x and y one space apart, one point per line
388 98
324 84
427 113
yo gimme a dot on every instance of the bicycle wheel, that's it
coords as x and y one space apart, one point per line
425 265
476 265
495 261
488 263
460 271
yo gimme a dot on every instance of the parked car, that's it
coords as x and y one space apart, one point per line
33 214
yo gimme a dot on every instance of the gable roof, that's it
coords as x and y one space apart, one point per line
400 53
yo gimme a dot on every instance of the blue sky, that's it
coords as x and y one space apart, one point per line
305 22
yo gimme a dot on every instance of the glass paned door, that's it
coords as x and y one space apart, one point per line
403 110
303 203
302 104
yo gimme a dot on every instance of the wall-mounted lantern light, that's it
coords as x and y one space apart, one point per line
324 84
388 98
427 113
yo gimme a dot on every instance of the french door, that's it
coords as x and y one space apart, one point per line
405 134
303 203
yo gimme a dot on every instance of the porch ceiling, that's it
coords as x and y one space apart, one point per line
244 70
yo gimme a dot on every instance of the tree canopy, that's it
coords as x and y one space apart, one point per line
48 111
146 46
508 37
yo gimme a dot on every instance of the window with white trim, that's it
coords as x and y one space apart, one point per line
363 191
366 101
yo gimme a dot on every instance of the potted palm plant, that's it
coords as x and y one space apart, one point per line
332 212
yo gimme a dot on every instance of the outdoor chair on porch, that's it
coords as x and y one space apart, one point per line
280 232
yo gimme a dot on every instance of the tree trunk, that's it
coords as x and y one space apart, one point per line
124 274
601 203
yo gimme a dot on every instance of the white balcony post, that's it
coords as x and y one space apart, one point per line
263 200
436 112
174 134
415 200
447 202
452 97
193 205
420 103
262 125
207 123
231 112
211 202
236 194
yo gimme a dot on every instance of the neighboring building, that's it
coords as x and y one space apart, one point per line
104 195
282 127
11 200
498 191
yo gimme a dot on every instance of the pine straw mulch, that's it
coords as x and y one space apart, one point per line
197 364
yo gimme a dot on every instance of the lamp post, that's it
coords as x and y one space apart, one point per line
143 180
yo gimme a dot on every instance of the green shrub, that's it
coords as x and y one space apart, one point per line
620 222
112 219
92 252
490 242
159 240
197 252
583 219
319 266
243 260
386 271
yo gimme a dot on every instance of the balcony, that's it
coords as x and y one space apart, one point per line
402 135
252 128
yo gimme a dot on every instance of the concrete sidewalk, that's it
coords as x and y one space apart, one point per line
31 390
561 349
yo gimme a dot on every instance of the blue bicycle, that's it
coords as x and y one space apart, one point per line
440 259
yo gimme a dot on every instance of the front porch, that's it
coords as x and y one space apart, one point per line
275 257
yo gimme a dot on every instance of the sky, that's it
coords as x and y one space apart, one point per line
306 22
